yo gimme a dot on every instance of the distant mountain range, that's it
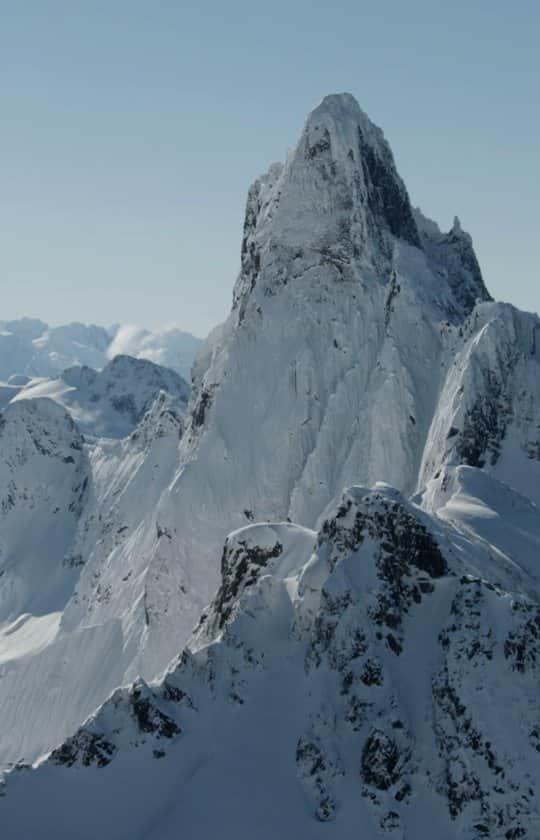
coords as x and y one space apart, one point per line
30 348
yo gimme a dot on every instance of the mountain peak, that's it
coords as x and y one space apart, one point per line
337 206
340 106
338 210
344 112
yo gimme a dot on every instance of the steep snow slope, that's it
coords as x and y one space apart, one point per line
353 341
44 478
109 403
503 521
341 682
31 347
488 414
68 643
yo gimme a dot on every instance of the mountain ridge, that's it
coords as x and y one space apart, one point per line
374 634
110 402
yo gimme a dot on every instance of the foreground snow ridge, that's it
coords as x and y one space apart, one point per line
370 671
353 675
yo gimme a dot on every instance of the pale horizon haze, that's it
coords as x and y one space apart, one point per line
131 132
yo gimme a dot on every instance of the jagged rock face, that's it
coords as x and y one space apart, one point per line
240 568
436 735
452 254
331 206
339 204
490 774
137 706
489 409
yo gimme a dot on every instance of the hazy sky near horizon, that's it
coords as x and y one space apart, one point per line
131 131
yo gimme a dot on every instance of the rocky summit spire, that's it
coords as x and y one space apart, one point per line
339 136
339 208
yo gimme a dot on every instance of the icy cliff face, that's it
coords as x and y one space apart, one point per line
362 347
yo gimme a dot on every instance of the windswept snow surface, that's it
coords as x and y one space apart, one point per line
372 668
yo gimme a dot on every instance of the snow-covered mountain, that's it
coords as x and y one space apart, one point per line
29 347
110 402
373 667
44 479
70 515
348 680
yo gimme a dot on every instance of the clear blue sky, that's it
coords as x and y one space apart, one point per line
131 131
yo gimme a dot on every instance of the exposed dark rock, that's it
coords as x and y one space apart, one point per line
240 569
381 757
522 645
149 718
85 747
201 407
388 199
